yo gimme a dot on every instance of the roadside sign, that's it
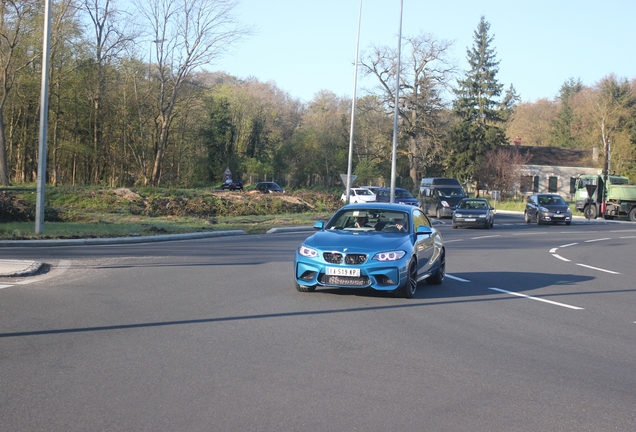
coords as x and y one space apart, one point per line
227 174
343 177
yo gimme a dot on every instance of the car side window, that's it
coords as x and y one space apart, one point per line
420 219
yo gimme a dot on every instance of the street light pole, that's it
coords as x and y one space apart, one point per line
44 119
396 114
353 109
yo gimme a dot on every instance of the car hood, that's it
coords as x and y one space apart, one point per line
358 241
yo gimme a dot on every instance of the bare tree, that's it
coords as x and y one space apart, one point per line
187 35
14 18
426 72
500 169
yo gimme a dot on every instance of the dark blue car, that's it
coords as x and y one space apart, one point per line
384 247
402 196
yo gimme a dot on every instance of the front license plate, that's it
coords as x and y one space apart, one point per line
341 271
470 219
346 281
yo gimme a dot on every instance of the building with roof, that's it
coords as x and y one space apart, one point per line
555 169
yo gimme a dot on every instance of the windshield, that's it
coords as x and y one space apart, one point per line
473 204
401 193
371 220
451 192
362 192
551 200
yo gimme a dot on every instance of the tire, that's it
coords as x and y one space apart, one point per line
410 284
304 288
567 223
526 217
538 219
590 212
438 277
492 223
632 214
454 226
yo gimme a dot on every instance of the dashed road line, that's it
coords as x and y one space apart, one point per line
596 240
537 299
561 258
456 278
596 268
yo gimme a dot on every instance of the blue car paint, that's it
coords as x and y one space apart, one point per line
382 276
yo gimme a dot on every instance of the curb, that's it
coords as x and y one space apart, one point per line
21 268
118 240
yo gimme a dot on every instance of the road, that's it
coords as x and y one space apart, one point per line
532 330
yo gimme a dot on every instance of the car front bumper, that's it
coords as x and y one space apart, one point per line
555 218
380 276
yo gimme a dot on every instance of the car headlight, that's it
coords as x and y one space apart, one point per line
307 252
458 215
389 256
483 216
444 203
544 210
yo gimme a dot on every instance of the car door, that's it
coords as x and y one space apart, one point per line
424 244
531 207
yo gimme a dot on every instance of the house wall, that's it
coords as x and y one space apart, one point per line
562 174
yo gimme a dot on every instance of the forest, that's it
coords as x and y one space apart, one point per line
134 101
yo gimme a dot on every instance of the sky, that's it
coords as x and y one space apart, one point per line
305 46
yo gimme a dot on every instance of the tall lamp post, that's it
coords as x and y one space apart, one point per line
44 119
396 114
353 109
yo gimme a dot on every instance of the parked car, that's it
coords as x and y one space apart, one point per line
232 185
373 189
473 212
547 208
379 246
402 196
358 195
268 187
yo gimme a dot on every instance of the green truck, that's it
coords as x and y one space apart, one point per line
609 198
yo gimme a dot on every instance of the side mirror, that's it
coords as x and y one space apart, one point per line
319 225
424 230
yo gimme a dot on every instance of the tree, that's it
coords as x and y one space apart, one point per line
500 169
14 57
532 122
477 110
187 34
111 37
561 127
425 72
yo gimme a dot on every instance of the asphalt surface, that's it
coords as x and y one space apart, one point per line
16 268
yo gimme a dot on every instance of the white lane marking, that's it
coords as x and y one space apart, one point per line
628 237
595 240
5 286
537 299
596 268
553 250
456 278
451 241
483 237
568 245
530 234
560 257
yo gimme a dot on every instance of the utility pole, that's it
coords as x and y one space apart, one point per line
44 119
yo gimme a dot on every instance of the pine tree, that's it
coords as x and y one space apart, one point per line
561 127
480 115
